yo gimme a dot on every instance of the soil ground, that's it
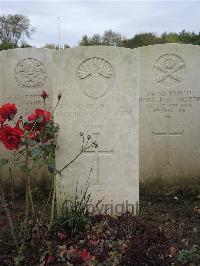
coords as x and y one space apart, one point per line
178 218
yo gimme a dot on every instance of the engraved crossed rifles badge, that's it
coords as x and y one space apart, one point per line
167 69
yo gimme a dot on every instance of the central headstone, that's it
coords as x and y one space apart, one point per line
99 97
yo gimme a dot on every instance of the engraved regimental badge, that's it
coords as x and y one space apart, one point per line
96 77
168 70
30 73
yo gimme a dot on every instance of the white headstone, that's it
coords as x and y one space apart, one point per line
169 112
99 97
24 74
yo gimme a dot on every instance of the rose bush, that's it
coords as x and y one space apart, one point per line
33 141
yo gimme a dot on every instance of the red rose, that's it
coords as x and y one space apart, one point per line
11 137
38 120
40 113
2 120
85 255
7 111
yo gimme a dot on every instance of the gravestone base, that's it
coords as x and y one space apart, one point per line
184 187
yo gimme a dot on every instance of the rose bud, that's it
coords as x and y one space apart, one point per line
44 95
59 96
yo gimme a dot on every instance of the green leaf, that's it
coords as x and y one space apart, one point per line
21 151
49 148
35 152
24 169
19 259
49 125
3 162
33 142
51 168
39 119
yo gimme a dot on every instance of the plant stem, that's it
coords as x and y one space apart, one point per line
56 106
27 192
82 150
29 198
53 202
48 200
71 161
11 184
26 210
30 195
44 102
9 219
5 243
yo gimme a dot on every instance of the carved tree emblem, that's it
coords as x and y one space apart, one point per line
30 73
168 69
95 77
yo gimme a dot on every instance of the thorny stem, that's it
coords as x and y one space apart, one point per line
29 198
56 106
33 126
53 202
48 200
30 194
44 102
27 188
11 184
9 219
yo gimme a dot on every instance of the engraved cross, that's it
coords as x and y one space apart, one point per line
97 153
168 133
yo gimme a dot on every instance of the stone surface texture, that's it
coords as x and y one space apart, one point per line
169 112
99 97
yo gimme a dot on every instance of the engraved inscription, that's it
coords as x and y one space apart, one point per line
26 103
168 69
97 153
170 101
95 77
81 113
30 73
